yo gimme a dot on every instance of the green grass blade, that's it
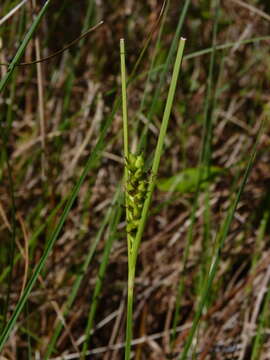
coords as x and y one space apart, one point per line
194 55
204 171
77 282
124 101
19 307
147 202
164 72
76 285
3 83
221 237
33 238
161 138
261 336
225 46
29 35
264 316
150 74
206 156
101 273
71 76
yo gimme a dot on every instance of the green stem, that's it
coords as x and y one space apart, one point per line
130 296
161 138
221 237
126 154
124 98
39 267
101 274
133 246
22 47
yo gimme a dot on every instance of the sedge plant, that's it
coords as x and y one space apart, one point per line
138 186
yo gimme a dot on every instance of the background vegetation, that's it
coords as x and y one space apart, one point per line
61 169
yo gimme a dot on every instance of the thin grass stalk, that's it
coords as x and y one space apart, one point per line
114 221
125 124
77 283
220 240
199 53
33 238
260 237
147 42
10 114
132 77
181 284
11 12
164 72
12 244
193 55
4 135
10 190
124 103
149 75
204 165
71 76
28 327
206 151
51 241
225 46
169 58
129 240
205 169
129 321
29 35
159 147
86 25
134 247
261 335
87 262
264 316
208 109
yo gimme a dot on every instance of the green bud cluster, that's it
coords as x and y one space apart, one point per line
135 192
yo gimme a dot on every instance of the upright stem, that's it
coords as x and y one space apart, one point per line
134 243
159 147
130 295
131 268
124 99
125 119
